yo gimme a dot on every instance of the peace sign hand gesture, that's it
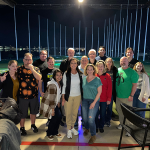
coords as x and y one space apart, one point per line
3 78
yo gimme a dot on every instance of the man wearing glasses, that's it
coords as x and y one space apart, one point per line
101 54
28 77
126 84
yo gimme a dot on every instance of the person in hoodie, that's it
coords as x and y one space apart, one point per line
105 97
50 104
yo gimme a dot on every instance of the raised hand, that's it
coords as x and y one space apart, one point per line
3 78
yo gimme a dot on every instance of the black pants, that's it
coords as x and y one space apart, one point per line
54 123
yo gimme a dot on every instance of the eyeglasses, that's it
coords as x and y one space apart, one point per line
28 59
44 54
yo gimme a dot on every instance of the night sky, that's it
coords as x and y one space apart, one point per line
69 18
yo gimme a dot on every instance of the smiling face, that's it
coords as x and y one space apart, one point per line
13 67
108 62
43 55
129 53
92 55
27 60
139 67
73 64
84 61
100 67
58 76
124 63
50 63
70 53
90 70
102 52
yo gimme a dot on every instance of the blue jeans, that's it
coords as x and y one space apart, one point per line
137 103
89 115
109 112
100 122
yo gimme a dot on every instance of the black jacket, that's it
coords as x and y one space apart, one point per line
115 71
64 65
7 86
68 84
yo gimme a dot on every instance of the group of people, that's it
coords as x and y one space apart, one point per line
93 83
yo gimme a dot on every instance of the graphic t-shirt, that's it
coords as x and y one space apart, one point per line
124 82
47 75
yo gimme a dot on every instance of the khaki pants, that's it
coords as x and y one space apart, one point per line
119 110
71 110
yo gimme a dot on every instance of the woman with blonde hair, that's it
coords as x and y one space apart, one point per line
92 88
9 82
140 98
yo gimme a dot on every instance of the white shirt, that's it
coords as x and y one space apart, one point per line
75 85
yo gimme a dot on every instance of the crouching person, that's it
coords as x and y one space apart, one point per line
50 104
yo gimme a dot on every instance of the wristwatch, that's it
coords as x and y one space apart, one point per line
131 95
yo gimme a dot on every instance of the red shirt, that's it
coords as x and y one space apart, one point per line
106 87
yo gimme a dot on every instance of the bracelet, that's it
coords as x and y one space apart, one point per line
131 95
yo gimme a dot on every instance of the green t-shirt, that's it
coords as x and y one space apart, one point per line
124 82
90 88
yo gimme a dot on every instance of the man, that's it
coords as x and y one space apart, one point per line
47 74
131 60
126 85
64 63
101 54
92 55
42 62
28 77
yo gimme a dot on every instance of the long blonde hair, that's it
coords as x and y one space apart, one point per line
106 69
143 69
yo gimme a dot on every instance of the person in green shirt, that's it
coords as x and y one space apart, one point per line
126 85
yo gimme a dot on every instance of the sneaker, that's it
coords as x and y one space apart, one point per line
119 127
107 124
86 131
127 134
75 132
51 137
34 128
23 131
69 134
101 130
58 135
92 139
37 115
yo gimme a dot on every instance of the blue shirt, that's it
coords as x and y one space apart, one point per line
90 88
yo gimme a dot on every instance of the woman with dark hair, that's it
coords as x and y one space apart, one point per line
50 104
9 82
140 98
71 94
112 71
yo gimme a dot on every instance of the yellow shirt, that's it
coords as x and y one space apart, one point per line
15 88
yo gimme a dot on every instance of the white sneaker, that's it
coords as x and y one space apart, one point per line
127 134
75 132
69 134
119 127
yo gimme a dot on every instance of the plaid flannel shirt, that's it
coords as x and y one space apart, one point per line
48 101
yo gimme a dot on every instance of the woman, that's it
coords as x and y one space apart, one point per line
140 98
9 82
50 104
72 94
92 88
105 97
112 71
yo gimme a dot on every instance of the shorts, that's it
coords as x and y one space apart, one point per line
24 104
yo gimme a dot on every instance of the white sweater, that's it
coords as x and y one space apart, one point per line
75 85
145 91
